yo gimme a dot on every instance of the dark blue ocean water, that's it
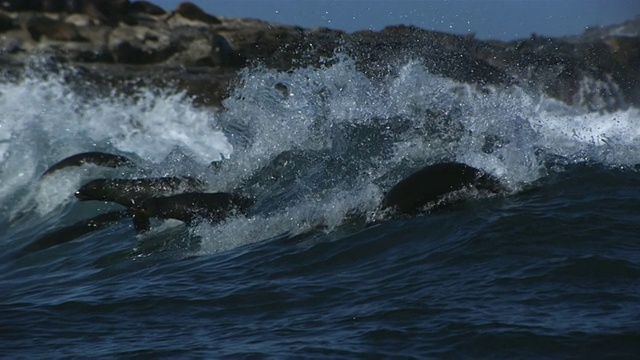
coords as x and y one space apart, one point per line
548 269
551 272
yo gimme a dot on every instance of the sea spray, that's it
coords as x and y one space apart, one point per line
326 148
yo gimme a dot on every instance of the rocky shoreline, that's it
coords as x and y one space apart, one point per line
120 41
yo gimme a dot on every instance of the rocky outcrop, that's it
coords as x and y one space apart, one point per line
598 70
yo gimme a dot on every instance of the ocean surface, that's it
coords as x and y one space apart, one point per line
548 269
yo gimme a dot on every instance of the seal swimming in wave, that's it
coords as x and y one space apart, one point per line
71 232
186 207
131 192
191 207
93 157
432 183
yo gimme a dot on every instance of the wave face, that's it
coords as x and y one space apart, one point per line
552 262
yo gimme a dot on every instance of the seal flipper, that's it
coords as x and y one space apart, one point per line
92 157
140 222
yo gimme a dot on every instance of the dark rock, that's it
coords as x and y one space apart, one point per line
20 5
52 29
276 46
597 71
108 11
74 6
226 54
591 75
91 55
146 7
141 45
192 12
444 54
107 8
54 5
6 23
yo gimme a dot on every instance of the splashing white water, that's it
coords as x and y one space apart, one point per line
44 121
320 100
356 136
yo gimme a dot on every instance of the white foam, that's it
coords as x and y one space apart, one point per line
44 121
324 213
154 124
609 138
521 124
502 131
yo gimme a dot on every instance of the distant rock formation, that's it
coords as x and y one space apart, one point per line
598 70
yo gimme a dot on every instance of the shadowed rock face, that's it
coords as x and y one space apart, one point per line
147 8
53 30
108 11
192 12
6 23
123 32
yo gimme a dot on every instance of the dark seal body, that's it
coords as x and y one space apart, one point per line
191 207
432 183
94 157
132 192
69 233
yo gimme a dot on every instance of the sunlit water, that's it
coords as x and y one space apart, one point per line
550 268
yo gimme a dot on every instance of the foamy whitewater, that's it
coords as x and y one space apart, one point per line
328 147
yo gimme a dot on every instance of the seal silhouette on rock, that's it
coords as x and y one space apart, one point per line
93 157
432 183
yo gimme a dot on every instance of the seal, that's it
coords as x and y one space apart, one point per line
191 207
432 183
72 232
93 157
131 192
